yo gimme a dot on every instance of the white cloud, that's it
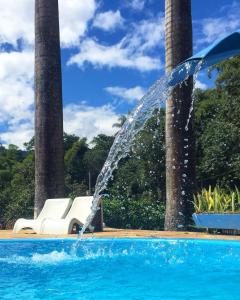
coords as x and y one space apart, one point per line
108 20
80 119
89 121
17 20
214 28
200 85
136 4
18 135
16 100
113 56
16 96
130 95
147 35
16 65
74 18
16 68
132 51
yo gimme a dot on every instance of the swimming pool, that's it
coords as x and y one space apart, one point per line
119 269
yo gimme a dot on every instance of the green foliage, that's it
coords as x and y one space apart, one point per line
218 128
121 121
29 146
96 156
217 200
142 173
69 140
16 199
74 161
138 186
142 213
76 171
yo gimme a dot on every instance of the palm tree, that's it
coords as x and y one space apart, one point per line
49 166
121 120
180 172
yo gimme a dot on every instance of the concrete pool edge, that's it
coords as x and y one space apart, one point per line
122 233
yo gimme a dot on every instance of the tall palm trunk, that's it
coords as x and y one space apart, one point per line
49 168
180 172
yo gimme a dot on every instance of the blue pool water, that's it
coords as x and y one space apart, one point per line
119 269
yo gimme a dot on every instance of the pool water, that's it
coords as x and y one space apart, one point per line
119 269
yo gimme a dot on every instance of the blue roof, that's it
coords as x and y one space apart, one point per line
220 50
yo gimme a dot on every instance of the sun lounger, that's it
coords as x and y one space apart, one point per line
77 215
53 208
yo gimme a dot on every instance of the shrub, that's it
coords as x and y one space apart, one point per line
217 200
134 213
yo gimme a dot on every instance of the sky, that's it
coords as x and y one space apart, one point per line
112 52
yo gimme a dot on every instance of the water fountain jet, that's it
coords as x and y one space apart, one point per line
220 50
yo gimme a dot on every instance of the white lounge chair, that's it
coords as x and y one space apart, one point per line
53 208
77 215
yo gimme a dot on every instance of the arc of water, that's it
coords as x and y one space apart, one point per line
156 95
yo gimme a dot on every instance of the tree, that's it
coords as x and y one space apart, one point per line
74 161
29 146
16 187
120 122
150 148
97 155
218 129
141 175
95 159
49 164
180 171
69 140
22 192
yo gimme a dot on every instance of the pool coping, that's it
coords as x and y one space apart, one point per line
128 239
121 233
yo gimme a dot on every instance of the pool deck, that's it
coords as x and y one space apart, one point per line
122 233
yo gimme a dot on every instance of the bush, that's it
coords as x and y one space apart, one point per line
16 199
217 200
135 214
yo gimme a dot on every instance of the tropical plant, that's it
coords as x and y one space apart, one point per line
217 200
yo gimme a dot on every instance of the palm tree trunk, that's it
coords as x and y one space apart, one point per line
180 171
49 167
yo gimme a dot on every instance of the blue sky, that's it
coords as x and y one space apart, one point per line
112 52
